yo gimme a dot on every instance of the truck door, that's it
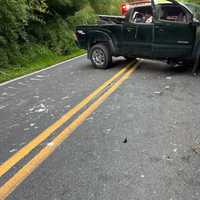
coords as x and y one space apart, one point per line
174 34
138 33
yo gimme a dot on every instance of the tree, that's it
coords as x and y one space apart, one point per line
13 19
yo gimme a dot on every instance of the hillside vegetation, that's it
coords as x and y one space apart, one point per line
35 29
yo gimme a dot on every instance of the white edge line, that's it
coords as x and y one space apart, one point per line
36 72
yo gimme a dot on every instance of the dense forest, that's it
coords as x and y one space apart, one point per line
30 29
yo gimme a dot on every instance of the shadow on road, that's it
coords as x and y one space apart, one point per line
158 67
147 66
117 64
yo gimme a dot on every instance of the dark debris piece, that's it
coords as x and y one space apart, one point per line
196 148
125 140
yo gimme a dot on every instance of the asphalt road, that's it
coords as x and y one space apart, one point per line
137 145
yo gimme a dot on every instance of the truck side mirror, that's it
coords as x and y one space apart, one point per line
195 23
137 18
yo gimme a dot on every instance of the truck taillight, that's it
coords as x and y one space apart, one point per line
124 8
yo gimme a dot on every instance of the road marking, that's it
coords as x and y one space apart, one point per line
7 165
42 70
28 168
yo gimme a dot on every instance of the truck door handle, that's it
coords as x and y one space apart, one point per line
130 29
160 28
136 33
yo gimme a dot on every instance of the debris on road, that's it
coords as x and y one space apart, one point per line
108 130
158 92
68 106
38 109
4 94
125 140
66 97
175 150
35 79
2 107
42 109
12 150
50 144
169 78
22 144
167 87
196 148
90 118
20 83
42 76
167 157
32 124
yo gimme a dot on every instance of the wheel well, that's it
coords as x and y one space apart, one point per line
106 43
91 44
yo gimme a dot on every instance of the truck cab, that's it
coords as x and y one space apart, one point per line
159 31
125 7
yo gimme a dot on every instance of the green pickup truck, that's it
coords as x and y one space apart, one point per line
162 31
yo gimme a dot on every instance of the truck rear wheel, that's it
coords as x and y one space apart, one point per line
100 56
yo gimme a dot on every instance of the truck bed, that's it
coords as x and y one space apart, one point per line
109 19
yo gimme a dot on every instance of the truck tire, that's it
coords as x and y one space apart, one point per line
100 56
188 63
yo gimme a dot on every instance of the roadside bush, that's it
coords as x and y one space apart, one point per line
195 9
82 17
31 52
3 58
58 37
55 34
106 6
31 28
13 19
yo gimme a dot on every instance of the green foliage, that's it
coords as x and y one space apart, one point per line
3 58
197 2
82 17
195 8
26 25
115 7
38 6
105 6
32 52
36 57
61 40
13 19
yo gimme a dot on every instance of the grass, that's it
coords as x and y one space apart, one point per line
9 73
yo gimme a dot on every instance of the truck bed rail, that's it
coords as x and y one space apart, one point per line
111 19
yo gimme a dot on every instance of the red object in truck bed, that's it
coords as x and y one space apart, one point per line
126 6
139 1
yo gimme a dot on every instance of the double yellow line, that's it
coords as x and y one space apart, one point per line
104 91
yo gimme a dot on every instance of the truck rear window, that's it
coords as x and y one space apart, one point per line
172 13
